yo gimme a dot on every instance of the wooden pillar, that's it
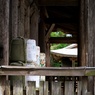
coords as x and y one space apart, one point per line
21 16
82 37
87 39
42 35
4 30
91 40
14 12
27 22
42 30
47 44
34 24
4 37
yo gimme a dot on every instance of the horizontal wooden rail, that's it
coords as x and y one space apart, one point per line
63 40
47 71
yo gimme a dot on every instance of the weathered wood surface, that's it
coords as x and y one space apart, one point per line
4 30
43 90
17 88
34 18
69 87
21 18
14 18
31 88
7 88
56 87
49 31
47 71
82 37
79 87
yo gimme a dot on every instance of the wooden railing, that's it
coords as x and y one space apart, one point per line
47 71
76 84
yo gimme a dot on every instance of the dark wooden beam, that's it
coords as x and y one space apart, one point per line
49 31
58 2
61 20
63 40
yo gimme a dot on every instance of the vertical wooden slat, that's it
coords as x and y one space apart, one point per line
69 87
17 88
43 90
47 54
1 89
7 88
84 85
31 88
79 87
56 88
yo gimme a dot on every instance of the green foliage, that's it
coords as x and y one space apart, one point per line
57 34
57 63
57 46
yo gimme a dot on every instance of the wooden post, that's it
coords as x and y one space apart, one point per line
4 30
90 6
34 24
48 54
4 36
42 31
87 40
82 38
14 13
21 17
27 22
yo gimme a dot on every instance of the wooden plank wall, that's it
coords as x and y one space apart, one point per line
4 36
4 30
23 19
15 21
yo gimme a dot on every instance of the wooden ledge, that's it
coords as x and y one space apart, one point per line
47 71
